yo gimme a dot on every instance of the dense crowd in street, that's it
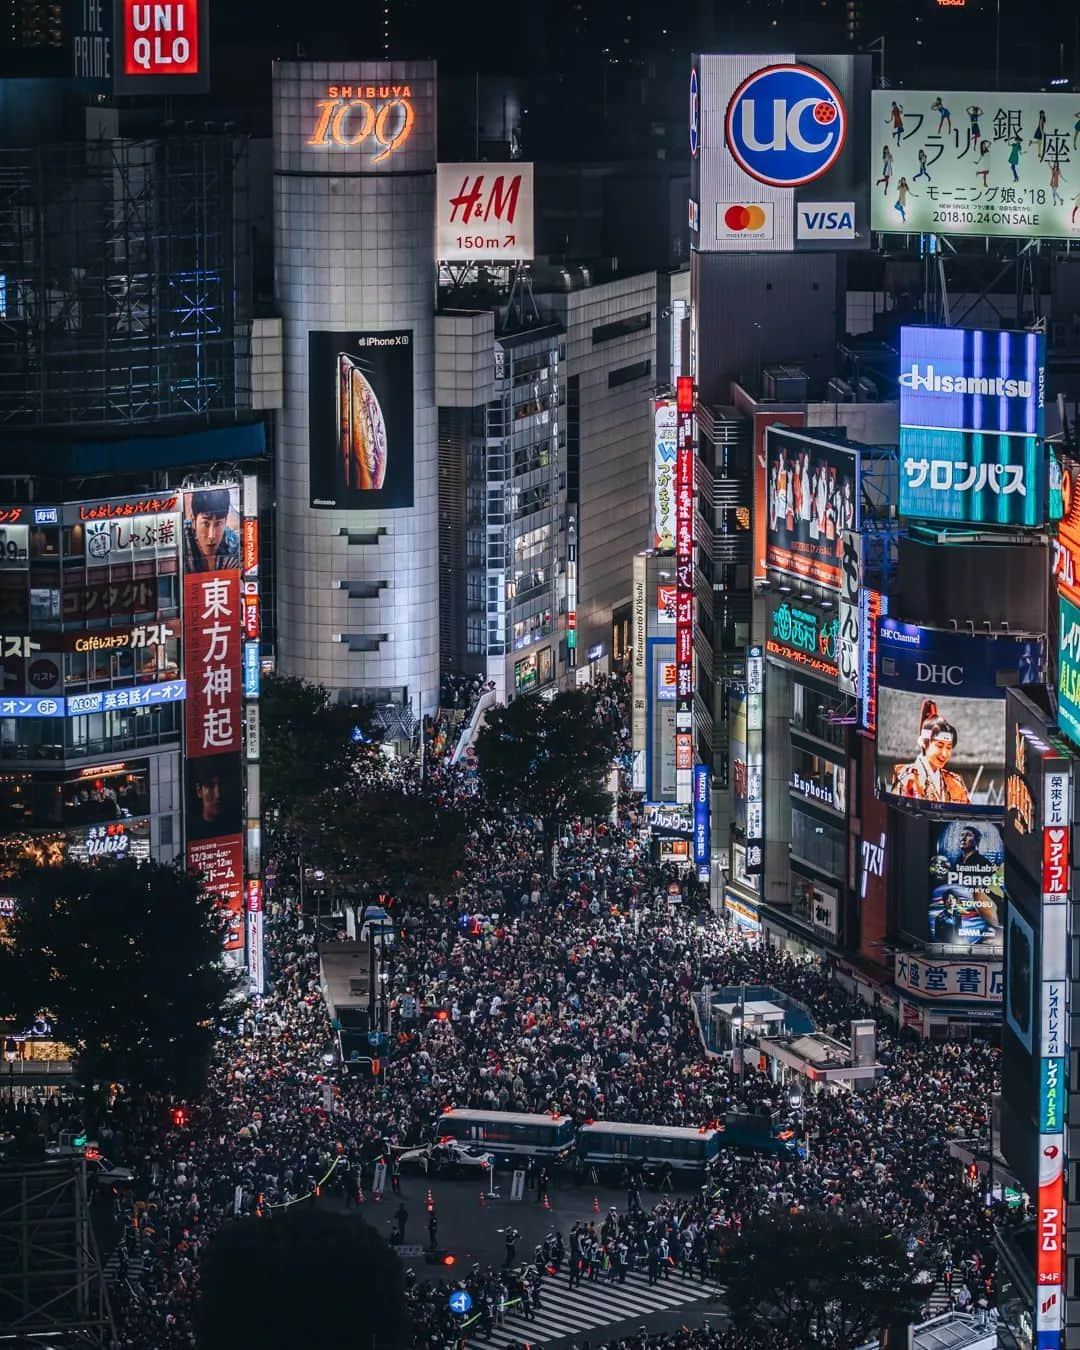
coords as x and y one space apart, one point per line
542 992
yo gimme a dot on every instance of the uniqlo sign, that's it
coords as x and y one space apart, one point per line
212 654
161 39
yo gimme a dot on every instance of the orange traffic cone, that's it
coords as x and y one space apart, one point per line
483 1200
547 1200
430 1201
596 1204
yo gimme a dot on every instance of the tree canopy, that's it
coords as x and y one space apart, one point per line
551 758
820 1279
307 744
308 1277
385 841
125 960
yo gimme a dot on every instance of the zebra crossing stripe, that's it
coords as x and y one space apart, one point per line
589 1305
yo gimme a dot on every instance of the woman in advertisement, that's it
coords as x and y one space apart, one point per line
926 777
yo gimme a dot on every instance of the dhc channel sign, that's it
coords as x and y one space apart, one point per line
786 125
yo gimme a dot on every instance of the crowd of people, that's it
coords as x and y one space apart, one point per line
533 990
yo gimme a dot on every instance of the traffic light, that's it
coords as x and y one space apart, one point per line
376 1068
179 1116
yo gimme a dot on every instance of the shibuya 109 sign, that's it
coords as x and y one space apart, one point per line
378 118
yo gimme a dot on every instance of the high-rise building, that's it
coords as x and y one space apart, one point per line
357 520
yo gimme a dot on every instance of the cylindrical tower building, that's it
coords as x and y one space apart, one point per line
357 520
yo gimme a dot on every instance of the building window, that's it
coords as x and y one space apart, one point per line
822 846
625 374
636 323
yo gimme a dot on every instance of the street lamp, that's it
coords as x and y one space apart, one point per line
11 1053
798 1103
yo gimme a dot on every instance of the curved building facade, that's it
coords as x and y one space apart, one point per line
357 519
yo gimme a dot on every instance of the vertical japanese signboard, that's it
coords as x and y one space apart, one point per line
249 567
1053 1056
702 836
849 647
684 592
665 437
213 740
755 767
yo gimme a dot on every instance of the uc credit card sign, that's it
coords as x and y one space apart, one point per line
775 152
971 423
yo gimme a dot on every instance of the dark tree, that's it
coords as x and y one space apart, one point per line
820 1279
306 1278
125 960
307 744
550 758
405 844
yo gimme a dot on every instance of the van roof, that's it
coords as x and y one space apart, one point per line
510 1117
647 1131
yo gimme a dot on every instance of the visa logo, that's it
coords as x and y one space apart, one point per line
826 220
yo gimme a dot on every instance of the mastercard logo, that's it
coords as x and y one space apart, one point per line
745 218
751 220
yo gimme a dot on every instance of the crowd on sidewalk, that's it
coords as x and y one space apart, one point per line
540 992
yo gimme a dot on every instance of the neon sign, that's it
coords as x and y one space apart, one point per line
352 115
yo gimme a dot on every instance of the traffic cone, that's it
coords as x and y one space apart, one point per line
483 1200
430 1200
547 1200
359 1195
596 1204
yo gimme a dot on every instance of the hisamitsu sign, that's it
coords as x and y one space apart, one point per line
971 422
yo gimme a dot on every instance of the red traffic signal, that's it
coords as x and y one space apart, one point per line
179 1116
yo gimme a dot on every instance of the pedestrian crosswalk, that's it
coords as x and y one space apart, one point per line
940 1300
115 1270
567 1312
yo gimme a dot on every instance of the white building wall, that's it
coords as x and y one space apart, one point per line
616 444
354 252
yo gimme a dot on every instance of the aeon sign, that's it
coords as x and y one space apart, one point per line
786 125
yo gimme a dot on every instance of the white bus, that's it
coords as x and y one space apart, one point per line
612 1147
510 1135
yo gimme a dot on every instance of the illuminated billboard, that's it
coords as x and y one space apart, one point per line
665 433
966 891
1069 669
133 47
973 162
941 715
971 422
802 637
778 158
812 499
484 211
360 420
213 667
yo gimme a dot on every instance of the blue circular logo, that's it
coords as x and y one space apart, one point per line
785 125
460 1301
695 112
